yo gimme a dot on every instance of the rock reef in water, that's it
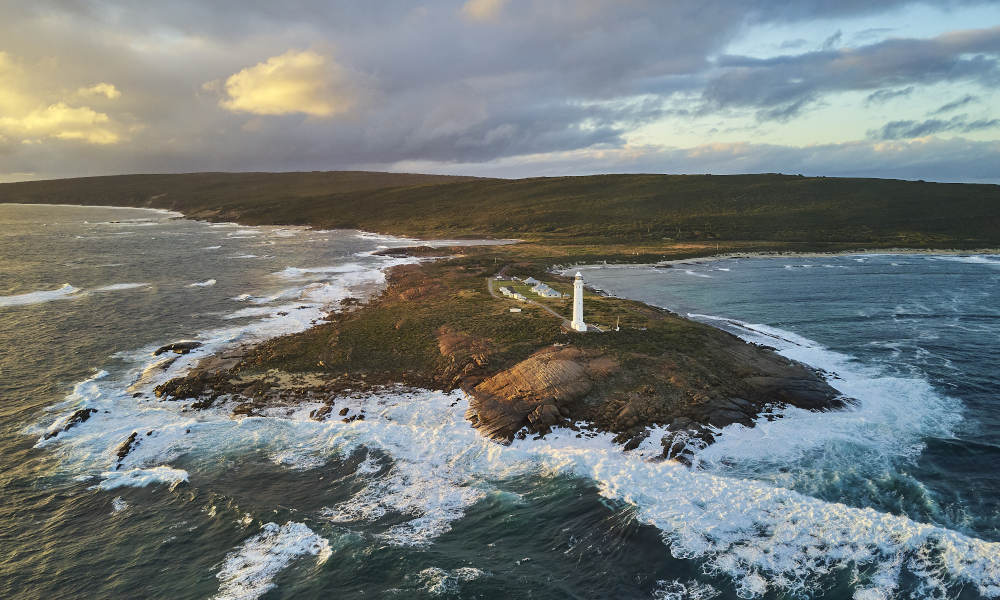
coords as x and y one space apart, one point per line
182 347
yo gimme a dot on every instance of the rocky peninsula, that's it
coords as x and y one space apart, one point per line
436 325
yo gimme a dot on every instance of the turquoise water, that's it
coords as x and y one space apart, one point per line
893 498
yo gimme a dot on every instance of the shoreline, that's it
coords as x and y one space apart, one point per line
622 392
793 254
163 211
524 386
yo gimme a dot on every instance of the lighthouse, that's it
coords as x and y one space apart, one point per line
578 323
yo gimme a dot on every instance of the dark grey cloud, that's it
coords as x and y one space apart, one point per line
883 96
906 129
955 104
833 41
867 35
794 44
781 87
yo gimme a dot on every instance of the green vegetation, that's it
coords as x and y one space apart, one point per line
654 210
397 335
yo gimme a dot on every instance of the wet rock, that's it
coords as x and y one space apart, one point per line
126 447
634 441
680 423
247 409
205 402
321 413
182 347
724 416
545 416
75 419
344 411
811 393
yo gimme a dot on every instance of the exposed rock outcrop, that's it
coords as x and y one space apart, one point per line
182 347
533 390
731 382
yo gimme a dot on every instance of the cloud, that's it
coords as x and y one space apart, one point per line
906 129
783 86
792 44
100 89
62 122
833 41
963 101
483 10
303 82
29 115
424 82
883 96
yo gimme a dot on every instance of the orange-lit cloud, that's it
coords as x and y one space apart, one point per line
100 89
303 82
62 122
29 115
483 10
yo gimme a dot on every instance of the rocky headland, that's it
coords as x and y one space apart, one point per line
437 325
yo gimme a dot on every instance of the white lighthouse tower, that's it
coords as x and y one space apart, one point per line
578 323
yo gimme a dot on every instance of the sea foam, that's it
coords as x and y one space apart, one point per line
143 477
759 534
249 572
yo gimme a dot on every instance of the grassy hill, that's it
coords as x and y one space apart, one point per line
201 192
617 209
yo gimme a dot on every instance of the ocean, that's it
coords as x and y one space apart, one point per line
896 496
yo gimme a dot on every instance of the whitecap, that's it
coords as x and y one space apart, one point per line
206 283
684 590
301 272
249 571
976 259
118 504
142 477
211 247
64 292
439 582
114 287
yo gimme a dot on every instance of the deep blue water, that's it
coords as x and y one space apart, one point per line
895 497
919 331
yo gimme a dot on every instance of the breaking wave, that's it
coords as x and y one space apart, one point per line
249 572
62 293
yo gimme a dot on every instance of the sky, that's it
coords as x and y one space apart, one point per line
506 88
